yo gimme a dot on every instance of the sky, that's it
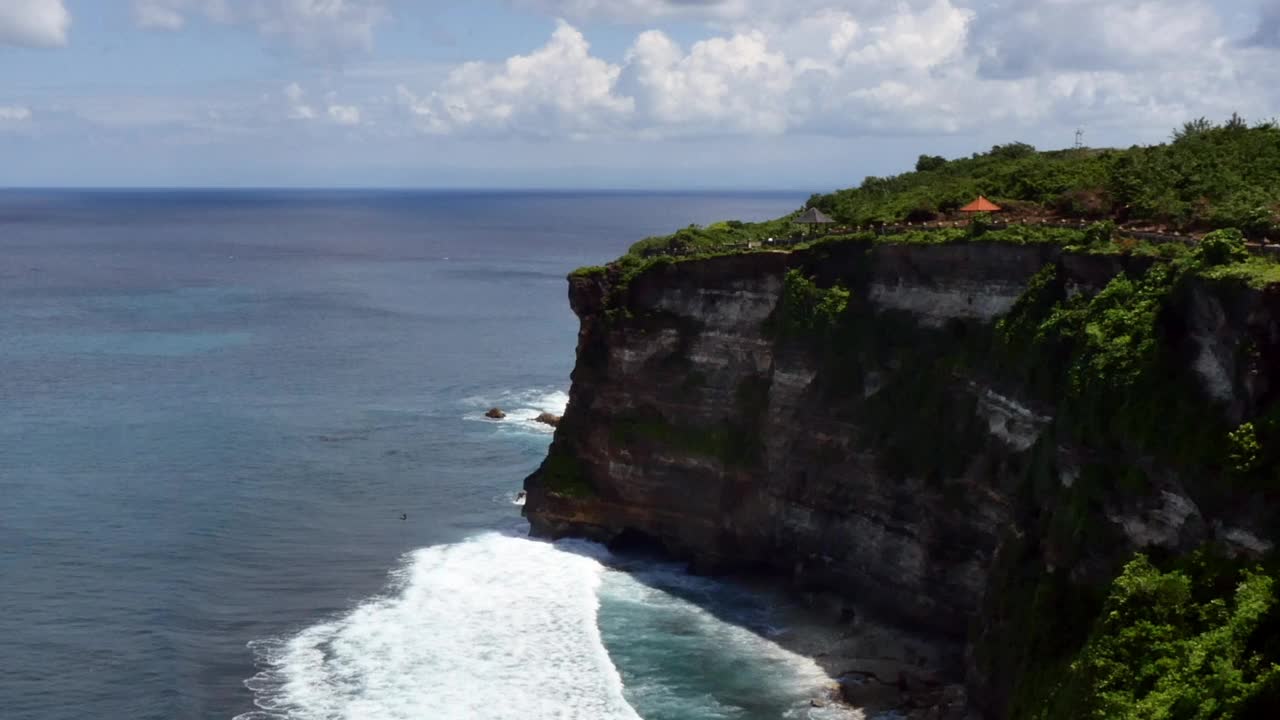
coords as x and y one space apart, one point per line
627 94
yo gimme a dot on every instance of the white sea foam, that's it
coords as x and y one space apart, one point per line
495 627
522 408
746 661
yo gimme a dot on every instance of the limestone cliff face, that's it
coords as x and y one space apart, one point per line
905 471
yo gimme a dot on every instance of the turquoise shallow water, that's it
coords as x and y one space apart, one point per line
215 408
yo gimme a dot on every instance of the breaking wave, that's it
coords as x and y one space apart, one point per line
493 627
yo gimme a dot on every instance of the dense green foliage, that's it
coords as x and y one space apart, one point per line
1208 176
1112 335
1194 641
717 237
808 310
1099 358
1168 643
563 474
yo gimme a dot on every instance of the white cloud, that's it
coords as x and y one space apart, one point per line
635 10
325 27
332 111
158 15
34 23
14 114
736 83
344 114
1073 35
732 14
558 89
857 67
297 100
825 69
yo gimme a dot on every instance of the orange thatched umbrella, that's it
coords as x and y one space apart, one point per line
980 205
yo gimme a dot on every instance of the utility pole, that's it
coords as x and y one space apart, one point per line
1079 138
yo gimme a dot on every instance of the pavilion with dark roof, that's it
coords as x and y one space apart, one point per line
813 217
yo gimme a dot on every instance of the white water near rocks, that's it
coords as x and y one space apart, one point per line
495 627
506 627
686 642
522 408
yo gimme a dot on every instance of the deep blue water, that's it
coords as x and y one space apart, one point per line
215 408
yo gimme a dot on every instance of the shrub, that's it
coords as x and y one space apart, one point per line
1099 233
1243 449
1182 643
925 163
564 475
1013 150
980 225
808 310
1221 247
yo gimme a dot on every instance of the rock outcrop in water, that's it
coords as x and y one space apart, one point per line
915 463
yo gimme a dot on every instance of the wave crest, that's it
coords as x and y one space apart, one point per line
494 627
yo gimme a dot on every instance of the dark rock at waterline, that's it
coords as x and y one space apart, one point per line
495 414
548 419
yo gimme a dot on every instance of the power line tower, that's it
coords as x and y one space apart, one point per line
1079 138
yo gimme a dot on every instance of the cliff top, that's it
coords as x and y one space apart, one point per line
1145 199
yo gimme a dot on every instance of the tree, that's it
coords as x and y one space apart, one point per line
1192 128
926 163
1013 150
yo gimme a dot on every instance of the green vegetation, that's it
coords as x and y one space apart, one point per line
1112 335
563 474
590 271
1178 642
1224 177
1194 641
808 310
728 444
712 239
1208 176
1103 360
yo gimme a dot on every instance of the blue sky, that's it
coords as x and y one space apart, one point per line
789 94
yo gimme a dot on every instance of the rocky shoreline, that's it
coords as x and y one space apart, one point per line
876 670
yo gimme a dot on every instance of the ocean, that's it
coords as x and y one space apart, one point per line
245 473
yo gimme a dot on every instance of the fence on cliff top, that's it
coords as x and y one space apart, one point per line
1268 248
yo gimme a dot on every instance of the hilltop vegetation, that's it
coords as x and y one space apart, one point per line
1207 177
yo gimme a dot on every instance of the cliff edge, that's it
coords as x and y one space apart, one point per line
893 423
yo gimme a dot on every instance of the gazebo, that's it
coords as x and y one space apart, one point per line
813 217
980 205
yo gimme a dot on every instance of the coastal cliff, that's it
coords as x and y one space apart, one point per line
889 423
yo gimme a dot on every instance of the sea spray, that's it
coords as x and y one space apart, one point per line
521 409
494 627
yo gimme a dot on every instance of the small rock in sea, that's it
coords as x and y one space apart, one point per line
549 419
495 414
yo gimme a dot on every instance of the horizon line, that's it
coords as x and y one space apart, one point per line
397 188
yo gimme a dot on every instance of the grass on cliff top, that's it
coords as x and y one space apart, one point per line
1208 176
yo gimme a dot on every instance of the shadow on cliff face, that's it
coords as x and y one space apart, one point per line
876 667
